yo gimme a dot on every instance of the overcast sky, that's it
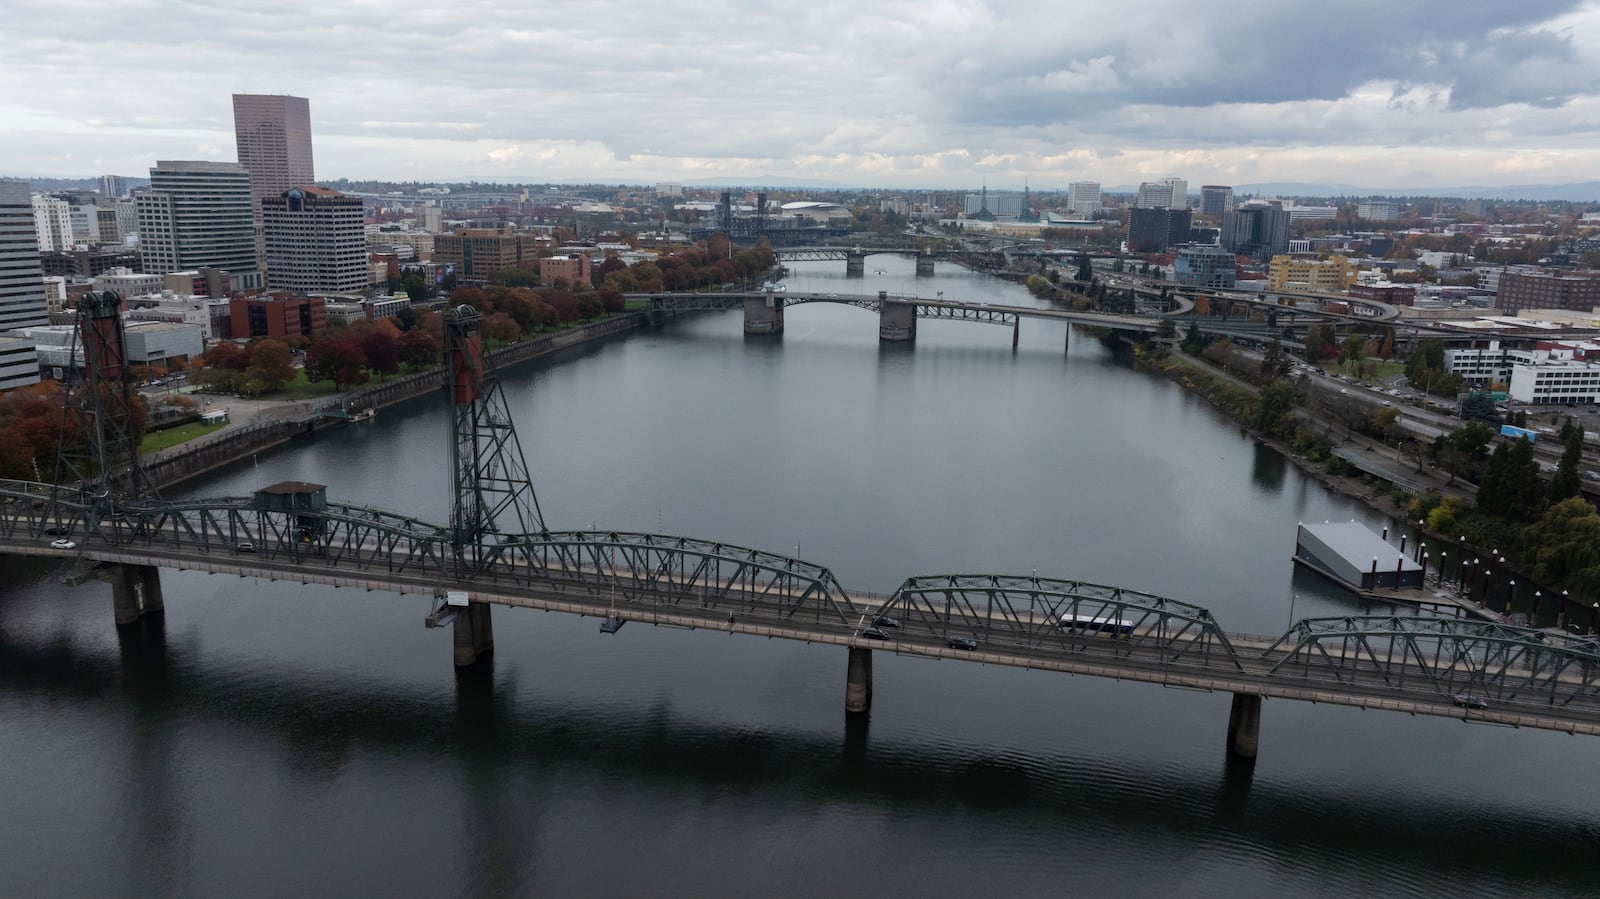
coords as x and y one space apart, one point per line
937 93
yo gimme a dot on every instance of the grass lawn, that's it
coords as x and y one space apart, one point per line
155 441
298 389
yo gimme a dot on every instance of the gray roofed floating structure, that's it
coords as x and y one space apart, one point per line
1352 554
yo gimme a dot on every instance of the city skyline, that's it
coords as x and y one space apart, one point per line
905 95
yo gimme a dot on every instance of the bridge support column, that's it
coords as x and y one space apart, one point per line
1244 725
763 315
924 264
858 681
135 592
474 634
855 264
897 321
1066 341
1016 331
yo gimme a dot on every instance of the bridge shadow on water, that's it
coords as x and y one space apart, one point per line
495 735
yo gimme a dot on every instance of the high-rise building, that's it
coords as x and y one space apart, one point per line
113 186
1257 229
22 302
197 215
273 135
52 222
316 241
1083 197
1154 230
1153 195
1216 200
1179 189
1204 265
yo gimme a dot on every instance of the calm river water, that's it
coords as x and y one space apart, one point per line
269 739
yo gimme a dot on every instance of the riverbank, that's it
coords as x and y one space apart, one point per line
297 420
1373 482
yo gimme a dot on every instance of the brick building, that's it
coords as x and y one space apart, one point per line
279 314
573 268
480 252
1548 290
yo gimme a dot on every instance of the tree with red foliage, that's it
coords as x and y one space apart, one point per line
612 300
564 303
381 347
336 357
501 328
419 349
271 364
471 296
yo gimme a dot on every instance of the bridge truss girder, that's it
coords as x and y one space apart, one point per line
656 570
1495 663
1026 612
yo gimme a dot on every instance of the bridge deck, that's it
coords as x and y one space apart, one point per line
765 615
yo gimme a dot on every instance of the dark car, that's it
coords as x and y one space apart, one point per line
873 633
886 621
962 643
1469 701
56 532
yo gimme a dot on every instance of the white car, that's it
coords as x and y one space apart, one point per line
63 543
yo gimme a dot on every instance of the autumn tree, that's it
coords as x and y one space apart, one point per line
271 366
337 358
418 349
381 349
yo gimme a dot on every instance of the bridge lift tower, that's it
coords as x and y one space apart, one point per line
98 454
97 459
493 494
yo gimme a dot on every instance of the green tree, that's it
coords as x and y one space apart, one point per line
406 318
1275 362
416 287
1479 406
1353 351
1564 546
1463 447
1566 481
1320 342
1274 414
1085 271
1383 420
1167 329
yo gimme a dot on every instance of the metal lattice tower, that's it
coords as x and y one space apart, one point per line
98 453
493 494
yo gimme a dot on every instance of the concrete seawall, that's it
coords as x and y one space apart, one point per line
197 457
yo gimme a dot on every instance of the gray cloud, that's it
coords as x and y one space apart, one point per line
931 89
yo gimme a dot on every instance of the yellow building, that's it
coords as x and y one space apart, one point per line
1332 275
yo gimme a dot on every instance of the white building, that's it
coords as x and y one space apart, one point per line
52 221
1555 383
1311 213
1178 192
128 283
1153 195
19 362
1378 211
669 189
22 302
1083 197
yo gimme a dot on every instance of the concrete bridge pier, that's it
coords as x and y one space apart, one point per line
763 315
855 264
1016 332
858 681
1244 725
1066 341
924 264
474 634
897 320
135 592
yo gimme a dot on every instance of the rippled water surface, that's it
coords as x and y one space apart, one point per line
269 739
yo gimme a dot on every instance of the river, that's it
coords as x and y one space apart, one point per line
269 739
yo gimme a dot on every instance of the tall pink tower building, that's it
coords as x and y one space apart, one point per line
273 134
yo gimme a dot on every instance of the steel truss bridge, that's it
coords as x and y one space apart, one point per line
102 517
1476 671
926 307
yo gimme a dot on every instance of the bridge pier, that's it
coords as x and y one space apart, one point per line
855 264
135 592
897 320
474 634
1066 341
763 315
1244 725
924 264
858 681
1016 332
